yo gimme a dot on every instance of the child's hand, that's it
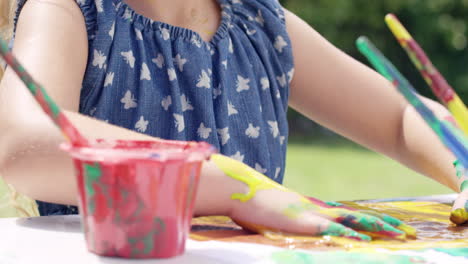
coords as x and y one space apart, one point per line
270 207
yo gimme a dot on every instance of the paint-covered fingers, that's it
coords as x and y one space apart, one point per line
331 228
398 224
459 213
368 224
308 224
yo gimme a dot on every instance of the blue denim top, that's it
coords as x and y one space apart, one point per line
166 81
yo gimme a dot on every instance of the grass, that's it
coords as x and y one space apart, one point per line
345 171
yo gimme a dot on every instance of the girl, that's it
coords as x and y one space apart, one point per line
221 71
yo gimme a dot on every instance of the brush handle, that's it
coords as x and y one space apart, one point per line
431 75
451 137
41 96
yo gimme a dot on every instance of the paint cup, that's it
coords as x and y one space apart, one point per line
136 198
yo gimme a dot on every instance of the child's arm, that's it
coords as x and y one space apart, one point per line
348 97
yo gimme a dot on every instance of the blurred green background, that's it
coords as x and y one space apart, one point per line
326 166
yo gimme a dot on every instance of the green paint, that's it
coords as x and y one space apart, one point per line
336 204
148 245
335 229
92 175
456 252
53 107
293 257
464 185
139 209
147 240
460 171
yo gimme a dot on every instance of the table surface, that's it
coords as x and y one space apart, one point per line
59 239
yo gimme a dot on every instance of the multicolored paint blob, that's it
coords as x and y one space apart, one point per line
431 75
430 219
45 101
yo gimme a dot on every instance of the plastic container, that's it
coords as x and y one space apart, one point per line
136 198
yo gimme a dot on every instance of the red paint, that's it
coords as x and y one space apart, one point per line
138 198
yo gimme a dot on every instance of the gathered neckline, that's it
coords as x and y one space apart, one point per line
126 12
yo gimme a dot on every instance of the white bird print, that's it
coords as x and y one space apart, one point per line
80 2
274 128
99 6
165 33
129 58
172 74
138 34
280 44
204 80
217 92
290 75
204 132
278 94
224 135
141 125
261 109
210 72
252 131
238 156
249 31
259 18
224 62
282 138
231 47
112 31
277 172
279 12
195 41
99 59
109 79
282 80
265 82
92 111
231 109
237 2
159 61
129 100
180 62
186 106
242 84
259 168
128 14
145 72
166 102
179 122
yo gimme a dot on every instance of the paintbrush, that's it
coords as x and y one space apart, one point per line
451 137
44 100
431 75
